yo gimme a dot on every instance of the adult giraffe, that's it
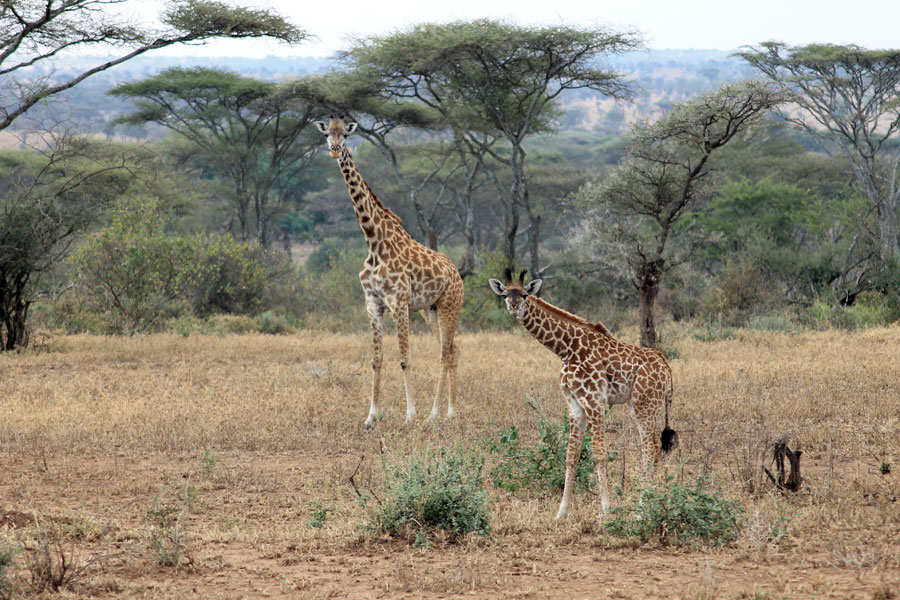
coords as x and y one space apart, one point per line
400 274
598 370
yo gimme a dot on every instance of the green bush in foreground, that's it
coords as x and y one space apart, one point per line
542 466
442 491
677 513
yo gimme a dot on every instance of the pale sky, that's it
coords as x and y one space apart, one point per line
665 24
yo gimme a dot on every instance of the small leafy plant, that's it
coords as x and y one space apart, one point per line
678 514
440 492
318 513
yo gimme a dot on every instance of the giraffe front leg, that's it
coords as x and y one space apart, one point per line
400 312
573 451
375 310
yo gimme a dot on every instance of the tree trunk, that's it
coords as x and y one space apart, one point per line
534 244
286 244
262 221
16 330
432 238
534 237
889 248
468 266
649 278
511 219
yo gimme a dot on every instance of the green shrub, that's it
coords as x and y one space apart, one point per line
874 309
778 323
133 276
273 324
129 271
823 315
542 466
441 491
7 556
325 255
741 289
714 332
333 297
678 514
224 276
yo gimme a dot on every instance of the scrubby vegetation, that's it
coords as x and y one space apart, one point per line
439 493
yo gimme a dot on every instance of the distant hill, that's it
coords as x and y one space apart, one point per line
661 78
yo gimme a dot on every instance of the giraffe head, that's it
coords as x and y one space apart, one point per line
514 293
336 132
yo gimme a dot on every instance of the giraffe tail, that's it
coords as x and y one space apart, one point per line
669 437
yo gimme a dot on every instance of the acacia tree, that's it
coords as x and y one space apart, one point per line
34 32
848 98
502 77
665 173
46 198
246 127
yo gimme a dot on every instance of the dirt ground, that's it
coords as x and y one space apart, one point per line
77 489
105 498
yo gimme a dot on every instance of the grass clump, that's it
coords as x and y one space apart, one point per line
678 514
440 494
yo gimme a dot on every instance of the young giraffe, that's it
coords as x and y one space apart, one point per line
402 275
597 371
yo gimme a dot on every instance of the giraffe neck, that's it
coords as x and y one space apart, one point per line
543 321
373 217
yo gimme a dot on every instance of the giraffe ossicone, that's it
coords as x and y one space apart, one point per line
597 370
399 274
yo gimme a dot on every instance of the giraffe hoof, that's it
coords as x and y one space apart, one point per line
369 424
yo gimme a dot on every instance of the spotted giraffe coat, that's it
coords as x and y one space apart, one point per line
597 370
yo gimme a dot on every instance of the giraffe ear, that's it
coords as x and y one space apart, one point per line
350 128
533 286
322 127
497 286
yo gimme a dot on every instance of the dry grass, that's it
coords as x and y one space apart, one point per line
93 429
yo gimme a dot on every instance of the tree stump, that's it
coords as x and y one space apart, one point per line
793 480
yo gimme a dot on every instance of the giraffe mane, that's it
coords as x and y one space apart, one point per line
598 327
378 203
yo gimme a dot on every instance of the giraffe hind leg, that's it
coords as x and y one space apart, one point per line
430 316
596 415
646 413
448 309
577 423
